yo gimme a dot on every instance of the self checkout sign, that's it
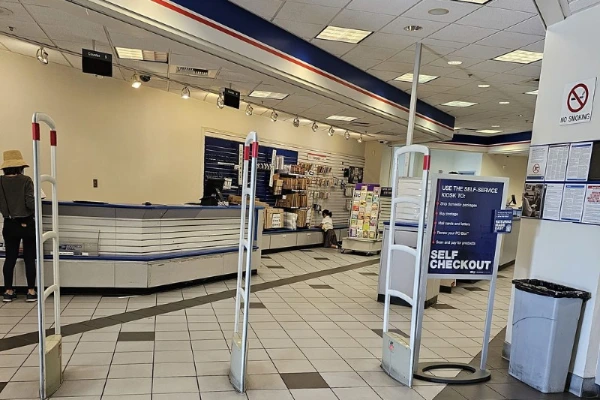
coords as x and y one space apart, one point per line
578 102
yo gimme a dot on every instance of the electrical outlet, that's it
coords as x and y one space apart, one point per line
95 183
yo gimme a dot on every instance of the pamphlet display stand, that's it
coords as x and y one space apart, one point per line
239 347
50 348
363 234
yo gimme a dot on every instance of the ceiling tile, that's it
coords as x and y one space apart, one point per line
397 27
19 13
383 75
476 50
494 66
75 33
495 18
509 40
303 12
397 42
527 70
335 48
360 62
397 67
469 73
457 10
263 8
331 3
518 5
431 42
408 55
376 53
392 7
462 33
27 30
532 26
304 30
367 21
537 46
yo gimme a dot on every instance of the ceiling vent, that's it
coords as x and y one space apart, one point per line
192 71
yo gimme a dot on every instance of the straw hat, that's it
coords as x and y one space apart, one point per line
13 159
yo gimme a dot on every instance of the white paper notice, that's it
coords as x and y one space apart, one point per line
552 201
536 166
591 208
572 203
556 169
578 167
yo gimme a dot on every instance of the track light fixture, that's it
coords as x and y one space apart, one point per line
136 83
185 93
347 135
249 110
42 55
314 127
296 122
359 139
331 131
274 116
220 101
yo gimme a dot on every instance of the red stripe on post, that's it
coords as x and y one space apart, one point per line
255 149
426 163
246 153
35 128
52 138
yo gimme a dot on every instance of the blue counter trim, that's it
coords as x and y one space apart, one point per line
283 230
403 224
143 207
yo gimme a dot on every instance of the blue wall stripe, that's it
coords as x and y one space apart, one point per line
492 140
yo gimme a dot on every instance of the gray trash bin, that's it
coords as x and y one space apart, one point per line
545 321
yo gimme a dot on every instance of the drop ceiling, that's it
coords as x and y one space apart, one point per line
471 33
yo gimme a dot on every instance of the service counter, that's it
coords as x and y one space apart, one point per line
117 246
282 239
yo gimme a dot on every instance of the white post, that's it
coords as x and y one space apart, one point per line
412 113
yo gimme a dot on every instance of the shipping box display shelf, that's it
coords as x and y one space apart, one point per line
273 218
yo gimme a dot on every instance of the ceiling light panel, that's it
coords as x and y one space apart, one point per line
142 55
268 95
533 92
459 104
346 35
408 77
489 131
521 57
341 118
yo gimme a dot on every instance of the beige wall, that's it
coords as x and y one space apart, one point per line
142 145
512 167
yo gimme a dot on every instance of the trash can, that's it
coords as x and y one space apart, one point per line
545 321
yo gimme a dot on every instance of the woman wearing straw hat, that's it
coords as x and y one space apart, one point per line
17 203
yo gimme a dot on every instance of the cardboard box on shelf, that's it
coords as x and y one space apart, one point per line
273 218
237 200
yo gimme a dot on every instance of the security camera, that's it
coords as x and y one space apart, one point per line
145 78
383 141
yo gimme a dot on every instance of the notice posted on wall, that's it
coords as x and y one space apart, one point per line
580 156
591 207
463 241
572 202
556 169
536 166
533 200
552 201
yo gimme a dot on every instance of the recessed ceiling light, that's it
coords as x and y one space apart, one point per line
438 11
268 95
474 1
413 28
457 128
521 57
533 92
483 86
341 118
142 55
504 102
136 83
408 77
489 131
346 35
495 126
459 104
456 62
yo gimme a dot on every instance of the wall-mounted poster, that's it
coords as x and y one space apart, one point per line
533 200
355 175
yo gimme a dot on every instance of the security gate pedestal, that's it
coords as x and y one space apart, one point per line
239 345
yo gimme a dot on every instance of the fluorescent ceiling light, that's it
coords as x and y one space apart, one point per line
483 86
408 77
142 55
521 57
504 102
459 104
341 118
337 34
533 92
268 95
454 62
489 131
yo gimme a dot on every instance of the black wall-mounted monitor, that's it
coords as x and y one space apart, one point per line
96 63
231 98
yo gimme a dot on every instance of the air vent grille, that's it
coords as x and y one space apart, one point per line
193 71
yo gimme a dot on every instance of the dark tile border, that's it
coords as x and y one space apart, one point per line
319 287
86 326
474 289
398 331
257 305
321 258
440 306
136 336
304 380
2 386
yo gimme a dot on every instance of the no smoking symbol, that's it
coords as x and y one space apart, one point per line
536 168
578 97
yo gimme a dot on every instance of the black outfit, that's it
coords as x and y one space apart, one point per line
18 228
330 238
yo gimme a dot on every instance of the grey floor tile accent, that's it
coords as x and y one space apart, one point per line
398 331
321 258
136 336
440 306
304 380
257 305
320 286
369 274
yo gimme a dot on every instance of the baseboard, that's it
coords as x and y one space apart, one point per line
582 387
506 351
506 265
399 302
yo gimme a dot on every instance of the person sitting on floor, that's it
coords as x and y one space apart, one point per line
327 227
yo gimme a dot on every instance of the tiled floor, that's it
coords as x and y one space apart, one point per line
315 335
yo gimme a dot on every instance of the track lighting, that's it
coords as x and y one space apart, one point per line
185 93
359 139
135 81
347 135
331 131
42 55
220 101
314 127
296 122
249 110
274 116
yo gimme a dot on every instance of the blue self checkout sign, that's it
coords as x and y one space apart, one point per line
463 241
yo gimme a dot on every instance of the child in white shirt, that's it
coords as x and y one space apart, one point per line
327 227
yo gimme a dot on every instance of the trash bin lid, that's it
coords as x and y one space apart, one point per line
549 289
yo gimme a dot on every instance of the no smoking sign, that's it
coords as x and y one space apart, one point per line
578 102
